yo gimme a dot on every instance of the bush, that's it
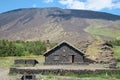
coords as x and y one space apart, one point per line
22 48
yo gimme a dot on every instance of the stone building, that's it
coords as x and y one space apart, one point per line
25 62
65 53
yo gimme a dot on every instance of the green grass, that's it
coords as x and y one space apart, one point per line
118 64
99 30
117 51
104 76
6 62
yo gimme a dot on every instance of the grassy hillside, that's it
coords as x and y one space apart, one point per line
101 30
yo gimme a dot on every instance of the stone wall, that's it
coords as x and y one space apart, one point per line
62 71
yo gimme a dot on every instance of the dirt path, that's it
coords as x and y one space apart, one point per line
4 74
67 67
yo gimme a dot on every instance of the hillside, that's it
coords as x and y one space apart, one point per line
58 24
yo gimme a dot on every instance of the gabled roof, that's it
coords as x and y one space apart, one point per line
60 44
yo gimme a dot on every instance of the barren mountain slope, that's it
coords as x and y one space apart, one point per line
58 24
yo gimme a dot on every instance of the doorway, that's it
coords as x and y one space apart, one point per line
72 58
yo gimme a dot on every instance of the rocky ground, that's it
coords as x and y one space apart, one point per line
96 50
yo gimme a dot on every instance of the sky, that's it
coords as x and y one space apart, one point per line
109 6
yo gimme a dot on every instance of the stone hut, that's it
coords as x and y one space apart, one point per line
25 62
65 53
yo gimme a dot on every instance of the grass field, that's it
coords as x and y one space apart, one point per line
81 77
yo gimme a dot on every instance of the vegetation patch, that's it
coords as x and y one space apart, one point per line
22 48
117 51
103 75
70 76
116 47
100 30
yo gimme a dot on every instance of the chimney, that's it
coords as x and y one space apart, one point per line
47 45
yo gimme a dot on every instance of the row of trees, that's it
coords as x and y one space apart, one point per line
22 48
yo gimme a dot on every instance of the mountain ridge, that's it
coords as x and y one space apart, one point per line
57 24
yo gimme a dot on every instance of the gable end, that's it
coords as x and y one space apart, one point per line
63 44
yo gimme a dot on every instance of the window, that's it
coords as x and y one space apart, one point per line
56 57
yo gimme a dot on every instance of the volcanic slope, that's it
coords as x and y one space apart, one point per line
58 24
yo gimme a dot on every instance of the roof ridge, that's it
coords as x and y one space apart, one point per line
66 42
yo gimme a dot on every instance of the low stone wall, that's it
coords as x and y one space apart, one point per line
85 63
62 71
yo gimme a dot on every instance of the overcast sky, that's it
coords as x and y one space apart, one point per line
109 6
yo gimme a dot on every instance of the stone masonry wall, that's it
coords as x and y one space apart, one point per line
62 71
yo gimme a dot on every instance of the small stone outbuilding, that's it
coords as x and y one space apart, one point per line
25 62
65 53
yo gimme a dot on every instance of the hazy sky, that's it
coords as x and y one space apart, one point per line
109 6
